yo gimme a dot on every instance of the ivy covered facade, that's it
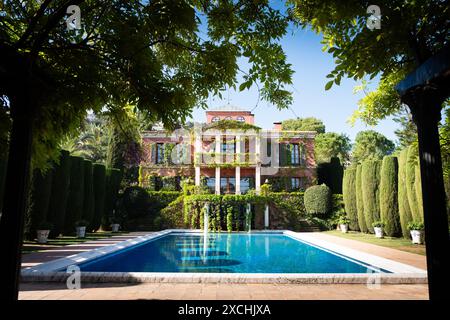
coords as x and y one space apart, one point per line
228 154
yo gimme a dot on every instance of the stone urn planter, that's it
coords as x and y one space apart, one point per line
378 232
81 228
416 236
344 228
42 235
416 231
115 227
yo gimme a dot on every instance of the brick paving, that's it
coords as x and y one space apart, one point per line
208 291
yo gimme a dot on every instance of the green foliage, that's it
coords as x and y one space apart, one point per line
331 173
59 193
318 200
89 197
38 202
304 124
74 209
407 133
403 203
230 215
99 187
389 196
413 31
360 201
370 180
371 145
411 184
415 225
349 195
113 180
172 216
380 224
329 145
344 220
418 190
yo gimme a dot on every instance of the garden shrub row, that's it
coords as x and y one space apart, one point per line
73 190
387 190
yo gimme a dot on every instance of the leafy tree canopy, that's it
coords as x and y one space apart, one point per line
150 54
371 145
331 144
304 124
411 32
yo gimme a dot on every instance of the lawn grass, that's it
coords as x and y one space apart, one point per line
32 246
394 243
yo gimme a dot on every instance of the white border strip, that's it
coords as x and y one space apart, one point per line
401 273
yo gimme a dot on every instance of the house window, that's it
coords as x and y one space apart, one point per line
228 118
228 147
295 154
159 153
247 183
211 184
215 119
227 185
295 184
240 119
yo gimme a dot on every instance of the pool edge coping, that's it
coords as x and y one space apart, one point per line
402 273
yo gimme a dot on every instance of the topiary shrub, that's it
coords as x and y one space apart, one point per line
99 188
74 208
411 163
318 200
389 196
349 196
88 203
405 213
359 201
136 201
113 180
59 194
370 178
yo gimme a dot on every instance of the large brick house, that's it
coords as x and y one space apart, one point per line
229 154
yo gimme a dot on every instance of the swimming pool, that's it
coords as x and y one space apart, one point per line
226 253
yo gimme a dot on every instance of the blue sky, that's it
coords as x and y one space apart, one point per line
311 65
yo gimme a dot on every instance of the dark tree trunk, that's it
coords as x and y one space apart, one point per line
16 194
426 108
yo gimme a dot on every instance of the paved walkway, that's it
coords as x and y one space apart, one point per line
187 291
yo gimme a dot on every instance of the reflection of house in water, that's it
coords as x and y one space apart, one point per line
229 154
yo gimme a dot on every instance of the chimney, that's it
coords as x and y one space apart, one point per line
277 126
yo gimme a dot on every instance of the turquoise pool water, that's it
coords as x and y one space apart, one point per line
226 253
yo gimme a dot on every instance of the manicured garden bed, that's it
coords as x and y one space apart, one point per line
394 243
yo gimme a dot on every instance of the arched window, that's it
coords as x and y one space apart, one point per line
215 119
240 119
228 118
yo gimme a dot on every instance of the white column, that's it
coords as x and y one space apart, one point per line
266 216
217 180
258 163
197 148
238 168
218 159
258 178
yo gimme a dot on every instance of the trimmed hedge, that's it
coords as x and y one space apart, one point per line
418 190
318 200
113 180
39 200
370 181
360 201
89 198
389 196
59 194
99 188
349 195
331 173
405 213
74 210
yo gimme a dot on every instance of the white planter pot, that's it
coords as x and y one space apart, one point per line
42 235
115 227
378 232
416 236
344 228
81 232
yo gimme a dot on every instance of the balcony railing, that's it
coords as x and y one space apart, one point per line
213 159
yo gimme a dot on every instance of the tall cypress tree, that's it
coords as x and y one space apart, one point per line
88 202
113 179
370 177
349 195
99 177
360 201
74 210
59 194
389 196
418 189
403 203
411 163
